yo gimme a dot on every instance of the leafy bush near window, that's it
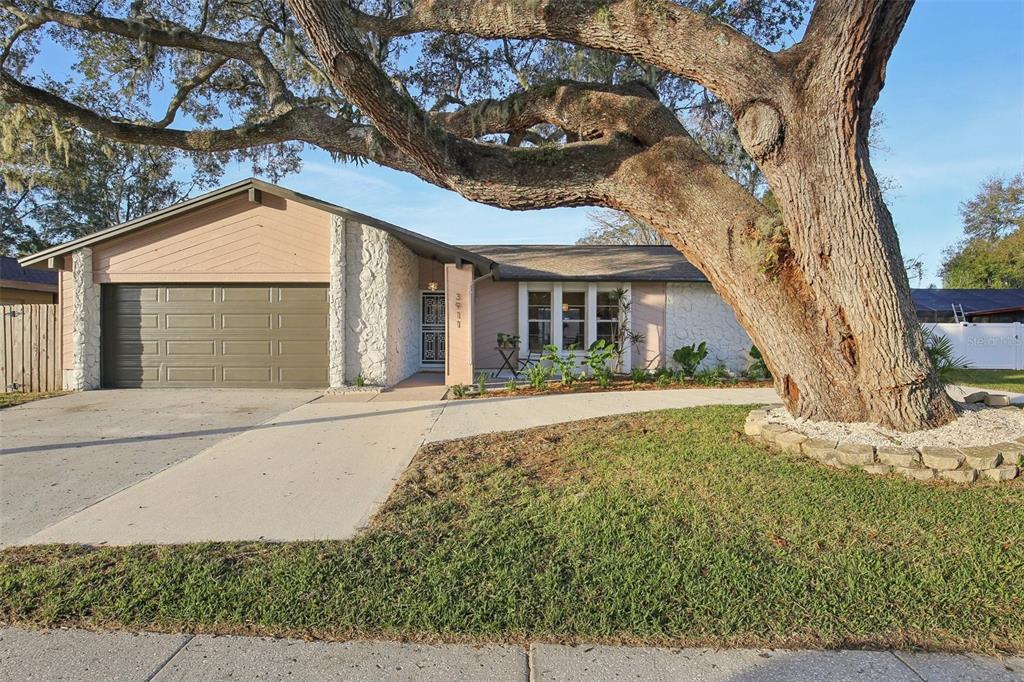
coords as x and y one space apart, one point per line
640 375
565 362
689 357
598 357
538 375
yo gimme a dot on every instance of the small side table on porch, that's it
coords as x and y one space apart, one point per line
506 360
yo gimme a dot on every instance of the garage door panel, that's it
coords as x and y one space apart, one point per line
251 294
244 347
191 348
302 375
237 321
297 295
304 321
215 335
190 295
192 375
256 375
184 321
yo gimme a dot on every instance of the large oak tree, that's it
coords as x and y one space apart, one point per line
530 104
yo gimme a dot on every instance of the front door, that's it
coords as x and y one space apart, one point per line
432 324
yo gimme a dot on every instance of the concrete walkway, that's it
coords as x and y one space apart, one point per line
83 655
320 470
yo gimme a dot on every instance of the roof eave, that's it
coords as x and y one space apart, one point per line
420 244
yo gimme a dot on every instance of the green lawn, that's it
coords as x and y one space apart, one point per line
12 399
993 379
663 528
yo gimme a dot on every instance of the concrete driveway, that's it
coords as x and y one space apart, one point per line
161 466
61 455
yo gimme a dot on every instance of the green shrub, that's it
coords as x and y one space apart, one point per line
459 390
599 356
360 381
664 379
757 368
511 385
942 356
713 376
689 357
565 362
481 382
640 375
538 375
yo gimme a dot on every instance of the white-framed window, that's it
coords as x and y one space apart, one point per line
574 319
607 313
538 320
570 314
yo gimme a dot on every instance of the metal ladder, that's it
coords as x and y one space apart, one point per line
958 314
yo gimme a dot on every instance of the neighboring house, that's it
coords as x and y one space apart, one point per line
977 305
255 285
25 285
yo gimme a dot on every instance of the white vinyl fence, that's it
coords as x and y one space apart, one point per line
998 345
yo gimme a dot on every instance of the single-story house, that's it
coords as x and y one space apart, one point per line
256 285
19 285
974 305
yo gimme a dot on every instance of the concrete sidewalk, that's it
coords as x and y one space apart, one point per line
83 655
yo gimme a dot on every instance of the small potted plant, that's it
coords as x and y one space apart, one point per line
507 340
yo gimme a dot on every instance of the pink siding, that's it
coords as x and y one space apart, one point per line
495 310
65 299
230 241
648 313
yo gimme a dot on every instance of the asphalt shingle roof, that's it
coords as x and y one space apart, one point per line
12 272
972 300
588 262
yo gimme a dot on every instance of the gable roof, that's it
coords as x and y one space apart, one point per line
590 262
972 300
418 243
12 271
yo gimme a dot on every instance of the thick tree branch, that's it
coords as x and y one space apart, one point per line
849 42
659 32
586 110
169 34
514 178
294 124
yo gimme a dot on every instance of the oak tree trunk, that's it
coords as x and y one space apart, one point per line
821 289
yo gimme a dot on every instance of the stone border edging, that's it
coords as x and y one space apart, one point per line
999 462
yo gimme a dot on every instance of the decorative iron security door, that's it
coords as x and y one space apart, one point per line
433 329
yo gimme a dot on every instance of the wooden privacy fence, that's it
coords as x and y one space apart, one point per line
30 348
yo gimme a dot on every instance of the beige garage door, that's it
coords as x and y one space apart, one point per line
197 335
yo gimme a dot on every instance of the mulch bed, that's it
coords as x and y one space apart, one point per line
592 387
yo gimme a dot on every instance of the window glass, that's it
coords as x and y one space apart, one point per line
574 319
538 317
607 316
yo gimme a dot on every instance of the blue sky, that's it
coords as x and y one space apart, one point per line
954 115
953 106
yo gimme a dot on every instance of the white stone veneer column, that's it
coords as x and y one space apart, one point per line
84 373
336 304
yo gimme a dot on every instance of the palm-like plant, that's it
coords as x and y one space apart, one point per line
943 357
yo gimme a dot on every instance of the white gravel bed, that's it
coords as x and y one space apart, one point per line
977 425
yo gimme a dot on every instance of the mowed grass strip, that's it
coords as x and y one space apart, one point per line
662 528
16 398
993 379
